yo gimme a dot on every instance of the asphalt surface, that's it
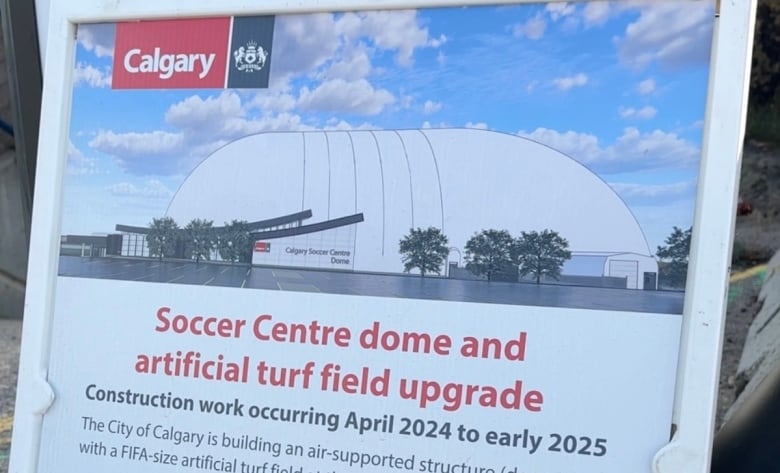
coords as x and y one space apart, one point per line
380 285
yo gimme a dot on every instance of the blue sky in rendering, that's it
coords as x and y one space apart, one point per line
618 86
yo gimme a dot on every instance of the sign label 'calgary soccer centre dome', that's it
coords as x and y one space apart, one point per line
344 199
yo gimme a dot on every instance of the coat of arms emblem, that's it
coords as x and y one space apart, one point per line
250 58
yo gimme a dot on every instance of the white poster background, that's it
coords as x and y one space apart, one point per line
604 375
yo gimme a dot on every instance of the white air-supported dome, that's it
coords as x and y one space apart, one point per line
459 180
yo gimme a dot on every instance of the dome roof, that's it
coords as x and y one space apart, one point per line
459 180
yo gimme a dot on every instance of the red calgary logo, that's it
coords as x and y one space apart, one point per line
166 65
171 54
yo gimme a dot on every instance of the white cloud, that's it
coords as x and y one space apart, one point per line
92 76
532 29
136 143
78 164
646 87
156 152
153 189
477 125
644 113
269 100
173 152
438 42
337 95
397 30
281 122
405 101
426 125
566 83
97 38
632 151
170 152
353 65
226 118
671 34
560 10
430 107
564 13
596 13
341 46
343 125
314 38
583 147
654 194
197 113
663 196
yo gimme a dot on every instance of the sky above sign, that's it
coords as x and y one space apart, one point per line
619 86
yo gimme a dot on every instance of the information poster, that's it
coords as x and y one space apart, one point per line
446 240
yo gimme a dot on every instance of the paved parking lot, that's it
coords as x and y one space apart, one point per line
369 284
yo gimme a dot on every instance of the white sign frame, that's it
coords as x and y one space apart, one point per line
705 299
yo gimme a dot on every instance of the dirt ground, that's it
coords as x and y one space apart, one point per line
10 333
756 239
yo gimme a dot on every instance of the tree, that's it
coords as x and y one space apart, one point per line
489 252
675 257
234 242
425 250
200 237
541 254
162 237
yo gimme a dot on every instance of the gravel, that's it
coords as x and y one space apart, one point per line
10 334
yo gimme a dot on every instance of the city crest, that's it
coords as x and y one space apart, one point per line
250 58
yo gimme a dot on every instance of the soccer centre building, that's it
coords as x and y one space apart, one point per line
360 193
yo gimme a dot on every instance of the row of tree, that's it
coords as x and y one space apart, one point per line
199 239
539 254
489 253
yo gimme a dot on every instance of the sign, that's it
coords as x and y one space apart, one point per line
262 247
375 240
193 53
